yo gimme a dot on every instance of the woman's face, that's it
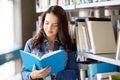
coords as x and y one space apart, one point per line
51 25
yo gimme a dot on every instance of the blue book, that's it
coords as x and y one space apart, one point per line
54 60
102 67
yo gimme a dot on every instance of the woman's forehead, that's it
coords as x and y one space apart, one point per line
50 17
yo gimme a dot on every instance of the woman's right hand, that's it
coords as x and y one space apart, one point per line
39 73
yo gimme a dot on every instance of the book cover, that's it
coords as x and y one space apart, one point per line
101 35
54 60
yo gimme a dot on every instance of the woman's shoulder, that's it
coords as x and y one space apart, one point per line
29 41
28 45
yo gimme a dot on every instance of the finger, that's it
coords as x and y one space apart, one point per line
43 72
34 67
47 70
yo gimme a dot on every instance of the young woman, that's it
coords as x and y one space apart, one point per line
52 35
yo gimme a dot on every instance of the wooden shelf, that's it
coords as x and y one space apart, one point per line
109 58
99 4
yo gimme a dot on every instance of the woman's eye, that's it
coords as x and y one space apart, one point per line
46 23
55 25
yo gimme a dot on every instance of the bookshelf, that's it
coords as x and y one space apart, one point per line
109 58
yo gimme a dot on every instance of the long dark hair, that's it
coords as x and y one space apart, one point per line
63 33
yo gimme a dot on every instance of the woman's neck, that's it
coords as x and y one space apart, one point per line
51 39
51 42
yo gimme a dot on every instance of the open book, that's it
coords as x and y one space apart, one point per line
54 60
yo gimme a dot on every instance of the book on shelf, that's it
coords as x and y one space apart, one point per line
118 47
100 67
54 60
82 37
78 41
37 4
71 25
101 35
116 25
114 77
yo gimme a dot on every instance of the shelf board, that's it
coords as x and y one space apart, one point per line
99 4
109 58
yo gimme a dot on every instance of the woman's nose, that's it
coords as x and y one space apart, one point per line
49 26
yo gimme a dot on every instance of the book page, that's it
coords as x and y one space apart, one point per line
33 55
49 54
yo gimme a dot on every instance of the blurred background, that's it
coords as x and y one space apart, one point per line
17 25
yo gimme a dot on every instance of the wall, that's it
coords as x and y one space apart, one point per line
28 19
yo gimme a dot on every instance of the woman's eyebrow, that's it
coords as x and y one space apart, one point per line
46 21
55 23
52 23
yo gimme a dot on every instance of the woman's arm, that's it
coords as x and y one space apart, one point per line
24 72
